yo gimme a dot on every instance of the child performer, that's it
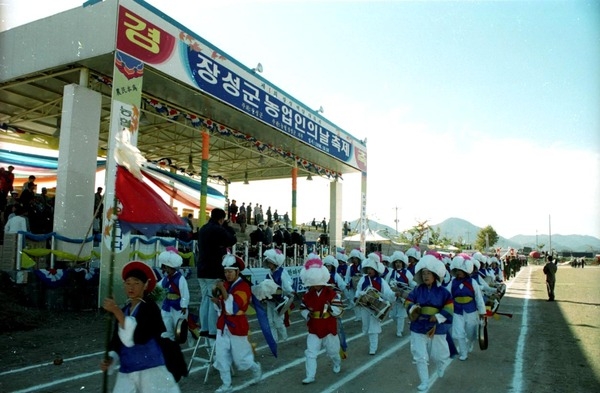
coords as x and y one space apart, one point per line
232 298
430 308
321 306
335 280
399 278
274 259
353 275
135 342
175 304
372 268
468 302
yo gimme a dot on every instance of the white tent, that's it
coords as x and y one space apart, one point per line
370 237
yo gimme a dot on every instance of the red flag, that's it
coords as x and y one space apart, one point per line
142 208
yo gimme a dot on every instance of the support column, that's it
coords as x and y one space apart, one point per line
204 178
294 194
75 184
335 216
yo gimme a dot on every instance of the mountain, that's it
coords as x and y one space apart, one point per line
457 228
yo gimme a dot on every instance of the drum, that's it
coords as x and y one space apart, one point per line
402 291
181 330
375 303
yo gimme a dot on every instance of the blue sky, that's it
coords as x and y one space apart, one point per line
486 111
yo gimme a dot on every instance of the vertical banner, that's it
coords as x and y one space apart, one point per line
124 122
294 193
363 211
204 178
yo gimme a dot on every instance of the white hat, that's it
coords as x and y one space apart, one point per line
478 256
356 254
432 264
413 252
170 257
231 261
385 258
372 262
330 260
275 256
314 273
460 263
341 257
399 256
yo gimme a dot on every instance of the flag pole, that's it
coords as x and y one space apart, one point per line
109 319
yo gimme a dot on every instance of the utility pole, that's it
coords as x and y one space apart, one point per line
396 220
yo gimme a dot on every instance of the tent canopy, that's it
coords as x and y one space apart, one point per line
370 237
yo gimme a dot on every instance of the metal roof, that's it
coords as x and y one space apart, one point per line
31 106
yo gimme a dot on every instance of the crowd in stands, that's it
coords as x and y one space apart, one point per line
24 209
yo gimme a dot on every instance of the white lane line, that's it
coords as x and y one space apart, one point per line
356 372
23 369
58 381
301 360
517 381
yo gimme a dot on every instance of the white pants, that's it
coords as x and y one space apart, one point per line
314 345
276 322
155 380
230 349
422 348
170 319
398 313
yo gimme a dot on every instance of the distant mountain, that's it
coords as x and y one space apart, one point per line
457 228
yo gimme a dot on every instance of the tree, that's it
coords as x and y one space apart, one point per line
487 237
416 234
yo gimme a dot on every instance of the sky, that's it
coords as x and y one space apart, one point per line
485 111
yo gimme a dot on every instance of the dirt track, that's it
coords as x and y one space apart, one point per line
545 347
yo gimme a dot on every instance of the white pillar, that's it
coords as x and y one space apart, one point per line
78 149
334 227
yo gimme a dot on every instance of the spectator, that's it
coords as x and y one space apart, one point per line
233 211
249 214
213 240
324 225
31 180
18 222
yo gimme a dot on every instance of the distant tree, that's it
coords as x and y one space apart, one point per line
416 234
435 236
481 241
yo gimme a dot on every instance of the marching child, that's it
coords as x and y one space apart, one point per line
371 325
400 279
232 298
430 309
274 259
468 303
134 347
335 280
321 306
353 274
177 299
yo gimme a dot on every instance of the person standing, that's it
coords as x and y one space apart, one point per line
321 306
372 269
430 308
550 272
213 240
249 214
233 211
232 298
135 342
274 260
177 298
